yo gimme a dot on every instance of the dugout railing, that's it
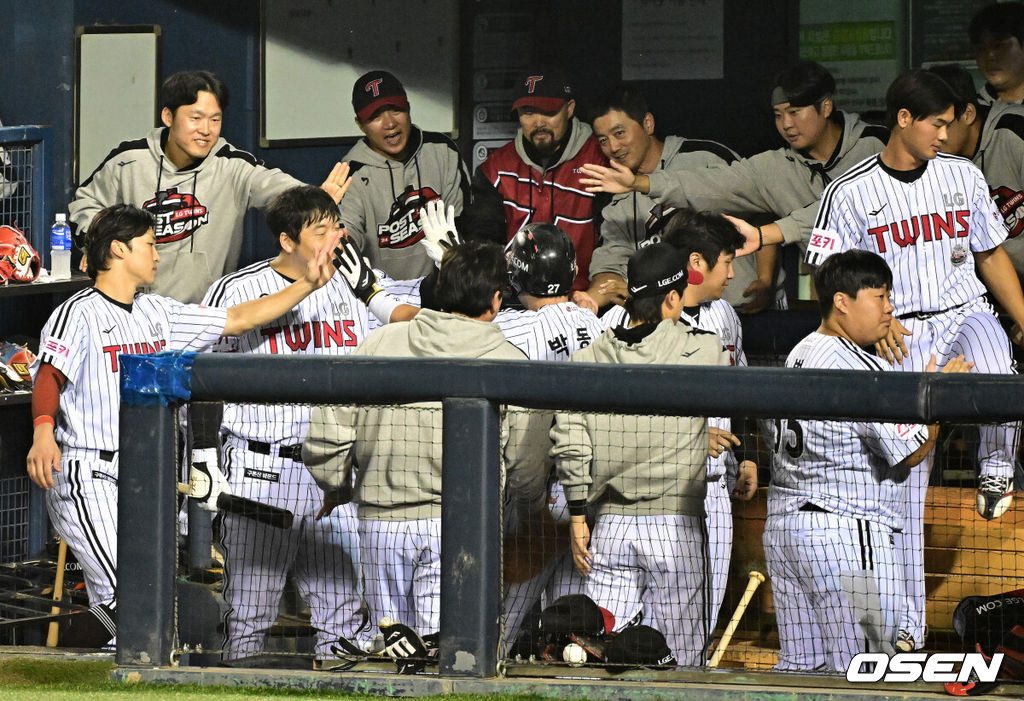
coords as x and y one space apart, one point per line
471 393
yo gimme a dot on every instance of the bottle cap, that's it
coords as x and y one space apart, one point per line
61 216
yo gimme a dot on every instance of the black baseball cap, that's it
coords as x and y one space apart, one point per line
654 270
546 90
377 89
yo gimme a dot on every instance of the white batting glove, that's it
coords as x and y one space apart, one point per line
439 233
206 481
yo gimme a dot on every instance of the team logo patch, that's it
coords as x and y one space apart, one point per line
402 228
959 255
178 215
1011 206
660 214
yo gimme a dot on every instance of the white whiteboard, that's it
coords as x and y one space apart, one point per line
116 91
313 51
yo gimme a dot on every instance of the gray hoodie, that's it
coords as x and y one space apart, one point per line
782 182
397 449
199 210
381 208
1000 156
638 464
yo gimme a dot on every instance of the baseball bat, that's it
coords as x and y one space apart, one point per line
58 593
257 511
755 579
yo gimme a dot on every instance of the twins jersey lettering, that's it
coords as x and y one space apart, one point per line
926 229
844 467
553 332
84 338
331 321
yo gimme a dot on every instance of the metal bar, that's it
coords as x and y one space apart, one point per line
470 538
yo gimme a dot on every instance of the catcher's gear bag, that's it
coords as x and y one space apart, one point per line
541 261
19 262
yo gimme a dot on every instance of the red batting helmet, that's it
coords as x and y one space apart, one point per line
18 260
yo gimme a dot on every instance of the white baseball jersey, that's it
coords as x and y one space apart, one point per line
553 332
83 339
848 468
330 321
925 223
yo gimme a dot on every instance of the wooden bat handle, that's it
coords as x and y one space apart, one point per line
58 593
755 579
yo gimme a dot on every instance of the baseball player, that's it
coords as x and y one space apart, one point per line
196 185
997 35
396 169
992 136
709 243
396 451
840 489
262 444
930 216
624 129
645 476
76 397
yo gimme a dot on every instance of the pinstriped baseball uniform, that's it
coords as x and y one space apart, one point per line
83 339
718 317
553 332
927 224
320 554
837 496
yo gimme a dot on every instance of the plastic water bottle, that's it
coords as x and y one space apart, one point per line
60 248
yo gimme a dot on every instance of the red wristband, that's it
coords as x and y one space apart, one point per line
43 420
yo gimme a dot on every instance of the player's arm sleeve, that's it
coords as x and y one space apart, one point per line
732 189
263 183
327 450
615 246
834 228
65 352
221 294
796 227
102 189
572 451
352 212
484 218
894 443
193 326
988 228
46 387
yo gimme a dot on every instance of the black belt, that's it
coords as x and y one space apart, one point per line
927 315
813 507
291 452
107 455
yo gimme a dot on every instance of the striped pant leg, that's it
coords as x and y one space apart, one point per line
426 575
83 510
801 647
565 580
387 558
519 599
257 558
325 574
718 506
910 543
980 338
616 581
673 553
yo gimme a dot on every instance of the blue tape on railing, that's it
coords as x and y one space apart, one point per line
160 378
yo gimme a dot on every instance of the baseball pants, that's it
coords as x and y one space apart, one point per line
657 565
718 506
974 332
83 510
257 558
401 565
807 553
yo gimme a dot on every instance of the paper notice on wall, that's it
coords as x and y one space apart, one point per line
672 39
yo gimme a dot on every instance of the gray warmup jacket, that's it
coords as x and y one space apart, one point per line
780 182
638 465
1000 156
396 450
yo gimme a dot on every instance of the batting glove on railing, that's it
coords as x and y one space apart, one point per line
439 232
404 646
356 270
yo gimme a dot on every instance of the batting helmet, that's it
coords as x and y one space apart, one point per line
541 261
18 260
